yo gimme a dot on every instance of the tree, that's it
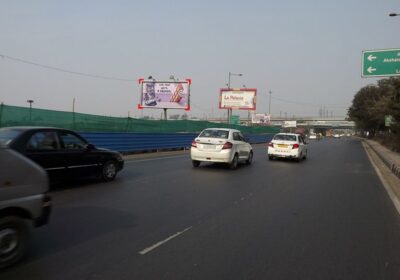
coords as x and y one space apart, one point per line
184 117
368 109
372 103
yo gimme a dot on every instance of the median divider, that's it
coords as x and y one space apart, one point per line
390 158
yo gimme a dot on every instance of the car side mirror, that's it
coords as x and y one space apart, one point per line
90 147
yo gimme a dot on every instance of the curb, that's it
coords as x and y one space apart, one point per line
391 165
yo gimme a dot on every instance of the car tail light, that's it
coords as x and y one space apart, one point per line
270 144
194 144
295 146
227 145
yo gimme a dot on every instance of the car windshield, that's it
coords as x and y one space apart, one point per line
285 137
214 133
7 135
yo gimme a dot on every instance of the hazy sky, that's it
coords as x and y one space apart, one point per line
306 52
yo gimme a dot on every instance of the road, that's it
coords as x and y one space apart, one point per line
328 217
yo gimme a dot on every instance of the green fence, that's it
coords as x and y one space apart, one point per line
21 116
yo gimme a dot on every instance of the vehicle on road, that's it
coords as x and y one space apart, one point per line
312 136
24 204
336 135
287 145
221 145
62 153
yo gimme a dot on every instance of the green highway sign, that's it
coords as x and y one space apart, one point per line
381 63
388 120
235 119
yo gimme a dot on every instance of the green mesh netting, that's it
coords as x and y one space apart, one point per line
21 116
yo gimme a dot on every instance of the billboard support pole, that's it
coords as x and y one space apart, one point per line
165 113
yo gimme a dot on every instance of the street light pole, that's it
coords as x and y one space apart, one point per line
229 87
269 107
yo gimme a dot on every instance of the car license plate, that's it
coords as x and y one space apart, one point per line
209 147
282 145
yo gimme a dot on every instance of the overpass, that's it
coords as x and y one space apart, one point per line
310 122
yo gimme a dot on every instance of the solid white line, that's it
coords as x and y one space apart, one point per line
158 244
388 188
152 159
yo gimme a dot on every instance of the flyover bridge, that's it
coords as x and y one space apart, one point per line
310 122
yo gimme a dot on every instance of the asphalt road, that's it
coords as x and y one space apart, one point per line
328 217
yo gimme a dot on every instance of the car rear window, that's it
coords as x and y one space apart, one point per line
7 135
214 133
285 137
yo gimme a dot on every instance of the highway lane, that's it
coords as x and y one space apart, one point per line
328 217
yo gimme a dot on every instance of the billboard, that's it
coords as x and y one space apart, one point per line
261 118
164 94
242 99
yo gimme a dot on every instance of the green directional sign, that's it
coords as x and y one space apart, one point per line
235 119
381 63
388 120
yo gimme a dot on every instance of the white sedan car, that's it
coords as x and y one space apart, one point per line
221 145
287 145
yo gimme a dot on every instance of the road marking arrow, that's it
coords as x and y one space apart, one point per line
371 57
370 70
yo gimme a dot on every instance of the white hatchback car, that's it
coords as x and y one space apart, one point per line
287 145
221 145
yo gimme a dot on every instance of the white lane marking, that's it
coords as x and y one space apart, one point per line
152 159
388 188
158 244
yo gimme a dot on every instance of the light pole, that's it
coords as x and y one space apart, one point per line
269 107
30 101
229 87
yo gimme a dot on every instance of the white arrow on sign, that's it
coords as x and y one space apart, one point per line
370 69
371 57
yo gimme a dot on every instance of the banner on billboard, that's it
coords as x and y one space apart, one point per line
289 124
242 99
164 94
261 119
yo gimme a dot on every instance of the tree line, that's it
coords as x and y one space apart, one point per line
373 103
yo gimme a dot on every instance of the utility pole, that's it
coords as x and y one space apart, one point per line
269 110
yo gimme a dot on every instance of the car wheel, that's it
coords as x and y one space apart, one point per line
250 158
234 162
195 163
109 171
14 239
270 157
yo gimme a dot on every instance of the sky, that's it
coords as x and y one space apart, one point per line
307 53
